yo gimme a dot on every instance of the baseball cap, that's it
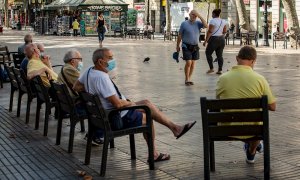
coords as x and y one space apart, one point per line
176 56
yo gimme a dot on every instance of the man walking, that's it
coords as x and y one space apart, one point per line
189 33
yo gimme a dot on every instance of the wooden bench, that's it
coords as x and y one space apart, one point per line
67 105
99 118
279 36
212 115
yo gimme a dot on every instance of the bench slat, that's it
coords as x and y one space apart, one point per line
245 130
255 116
252 103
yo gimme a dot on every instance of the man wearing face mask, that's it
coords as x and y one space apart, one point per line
70 72
96 81
243 82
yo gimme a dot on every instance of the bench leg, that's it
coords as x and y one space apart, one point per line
37 115
89 145
150 150
82 125
19 103
212 156
47 113
59 127
72 132
266 159
11 99
29 100
206 160
132 146
104 156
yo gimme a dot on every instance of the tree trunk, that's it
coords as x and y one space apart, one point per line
292 19
6 12
243 17
168 19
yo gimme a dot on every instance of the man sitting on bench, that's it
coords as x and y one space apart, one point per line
242 82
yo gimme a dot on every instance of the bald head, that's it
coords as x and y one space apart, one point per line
31 50
41 47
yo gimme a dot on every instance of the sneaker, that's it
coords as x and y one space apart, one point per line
259 148
219 72
95 141
210 71
250 158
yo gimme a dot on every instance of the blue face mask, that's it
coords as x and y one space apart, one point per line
80 66
111 65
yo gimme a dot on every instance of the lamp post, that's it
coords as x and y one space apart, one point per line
266 25
148 11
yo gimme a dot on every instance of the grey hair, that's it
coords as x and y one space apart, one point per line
29 49
28 38
70 55
99 54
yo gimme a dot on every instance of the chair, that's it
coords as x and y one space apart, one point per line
211 116
42 97
24 88
236 36
14 85
5 55
253 35
279 36
17 59
67 105
98 118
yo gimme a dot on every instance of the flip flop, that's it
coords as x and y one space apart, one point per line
186 128
187 83
191 83
162 157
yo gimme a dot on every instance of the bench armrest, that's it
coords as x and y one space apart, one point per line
144 107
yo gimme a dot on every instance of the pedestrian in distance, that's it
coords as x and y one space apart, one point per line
189 33
101 28
215 41
75 26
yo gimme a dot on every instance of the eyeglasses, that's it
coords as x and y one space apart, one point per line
80 59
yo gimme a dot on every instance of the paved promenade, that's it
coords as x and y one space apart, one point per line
162 82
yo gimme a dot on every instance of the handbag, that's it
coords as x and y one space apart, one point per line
115 119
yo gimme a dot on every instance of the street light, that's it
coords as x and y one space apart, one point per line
266 25
148 11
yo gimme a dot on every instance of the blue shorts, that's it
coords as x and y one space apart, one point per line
101 36
133 118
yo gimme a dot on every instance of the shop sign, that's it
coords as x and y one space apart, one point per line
139 7
103 8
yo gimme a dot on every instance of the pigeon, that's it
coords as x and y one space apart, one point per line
147 59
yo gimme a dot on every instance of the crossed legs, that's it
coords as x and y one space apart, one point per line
161 118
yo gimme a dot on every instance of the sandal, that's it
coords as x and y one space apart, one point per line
191 83
187 83
162 157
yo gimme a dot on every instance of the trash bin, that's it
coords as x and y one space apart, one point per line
19 26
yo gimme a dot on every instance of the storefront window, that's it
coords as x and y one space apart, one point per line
90 22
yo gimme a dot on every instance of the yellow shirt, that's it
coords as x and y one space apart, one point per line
75 25
37 64
242 82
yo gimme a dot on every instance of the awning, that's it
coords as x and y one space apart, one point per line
103 2
63 3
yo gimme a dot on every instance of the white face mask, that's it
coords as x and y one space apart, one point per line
79 66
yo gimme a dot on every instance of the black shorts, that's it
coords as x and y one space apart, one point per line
190 52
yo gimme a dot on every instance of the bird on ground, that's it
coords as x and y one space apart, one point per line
147 59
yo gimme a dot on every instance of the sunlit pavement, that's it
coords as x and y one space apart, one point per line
162 81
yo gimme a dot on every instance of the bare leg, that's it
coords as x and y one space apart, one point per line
191 69
187 69
100 44
161 118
